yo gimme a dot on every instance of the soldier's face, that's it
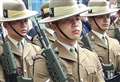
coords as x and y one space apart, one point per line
103 21
71 27
21 26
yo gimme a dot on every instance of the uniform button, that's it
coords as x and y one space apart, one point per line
92 37
110 60
81 79
25 71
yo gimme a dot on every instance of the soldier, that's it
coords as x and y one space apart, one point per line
81 65
107 49
114 30
47 27
15 20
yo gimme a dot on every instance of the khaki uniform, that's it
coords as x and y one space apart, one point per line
23 59
107 53
114 30
50 36
90 67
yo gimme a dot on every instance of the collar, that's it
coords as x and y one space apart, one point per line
68 47
99 35
15 42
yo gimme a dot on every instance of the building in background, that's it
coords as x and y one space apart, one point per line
85 2
34 4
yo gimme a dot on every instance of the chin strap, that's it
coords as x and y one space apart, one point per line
64 33
97 24
15 31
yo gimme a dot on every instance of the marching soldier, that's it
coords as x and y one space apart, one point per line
81 65
47 27
107 49
114 30
15 20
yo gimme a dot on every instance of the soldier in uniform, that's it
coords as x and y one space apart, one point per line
107 49
114 30
15 20
81 65
47 27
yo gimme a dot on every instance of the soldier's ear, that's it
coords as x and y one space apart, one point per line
6 25
53 26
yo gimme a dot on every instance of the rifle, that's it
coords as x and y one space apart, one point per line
8 63
86 40
53 63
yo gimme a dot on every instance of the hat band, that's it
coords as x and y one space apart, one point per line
46 10
65 10
14 14
97 9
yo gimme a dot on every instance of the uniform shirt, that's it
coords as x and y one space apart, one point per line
23 59
15 42
101 36
109 54
71 48
90 67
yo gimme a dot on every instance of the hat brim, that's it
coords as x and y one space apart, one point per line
27 14
100 12
51 19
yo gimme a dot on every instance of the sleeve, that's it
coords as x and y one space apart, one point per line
115 51
117 56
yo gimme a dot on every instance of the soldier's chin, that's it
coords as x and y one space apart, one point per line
76 38
24 35
105 28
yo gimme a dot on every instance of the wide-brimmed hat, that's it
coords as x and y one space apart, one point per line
44 10
15 10
99 7
60 9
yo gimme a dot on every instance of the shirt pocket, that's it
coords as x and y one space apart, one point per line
68 69
29 60
91 73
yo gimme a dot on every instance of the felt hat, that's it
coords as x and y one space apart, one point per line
60 9
99 7
15 10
